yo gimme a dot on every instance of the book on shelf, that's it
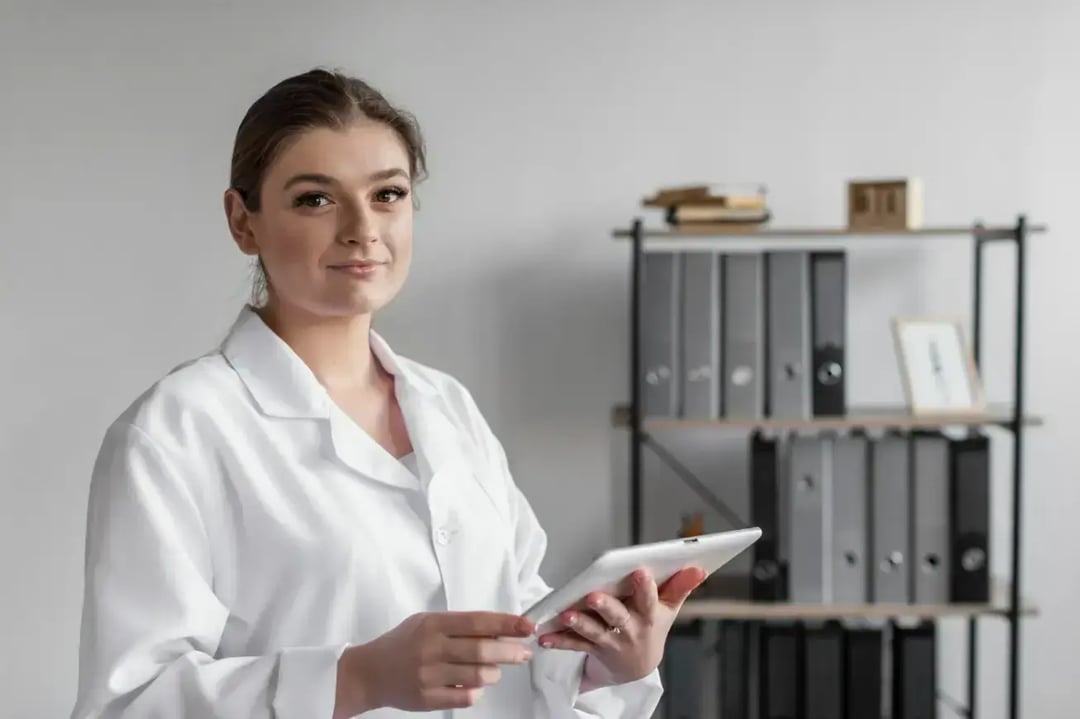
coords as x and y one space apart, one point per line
694 214
734 195
731 205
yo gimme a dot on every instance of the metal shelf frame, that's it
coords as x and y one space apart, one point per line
1014 421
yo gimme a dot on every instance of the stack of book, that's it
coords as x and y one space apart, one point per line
690 206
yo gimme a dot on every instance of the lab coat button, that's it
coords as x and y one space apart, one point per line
442 537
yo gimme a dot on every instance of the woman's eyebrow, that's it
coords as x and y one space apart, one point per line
315 177
387 174
321 179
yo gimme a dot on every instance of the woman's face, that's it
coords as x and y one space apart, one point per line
334 227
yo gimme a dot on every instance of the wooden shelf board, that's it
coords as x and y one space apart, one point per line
728 609
769 232
857 418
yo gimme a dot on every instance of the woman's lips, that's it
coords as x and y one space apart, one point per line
358 269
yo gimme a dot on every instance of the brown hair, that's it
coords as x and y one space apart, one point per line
317 98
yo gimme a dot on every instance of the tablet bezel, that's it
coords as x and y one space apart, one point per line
610 571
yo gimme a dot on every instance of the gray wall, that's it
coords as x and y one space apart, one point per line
547 122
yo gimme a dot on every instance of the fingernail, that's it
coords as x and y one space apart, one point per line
570 619
546 643
526 627
526 655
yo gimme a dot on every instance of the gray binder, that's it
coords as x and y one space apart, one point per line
701 335
659 333
890 522
810 543
930 518
788 387
850 493
743 335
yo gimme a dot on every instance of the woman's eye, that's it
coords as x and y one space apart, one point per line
391 194
312 199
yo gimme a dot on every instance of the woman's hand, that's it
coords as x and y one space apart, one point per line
625 638
430 661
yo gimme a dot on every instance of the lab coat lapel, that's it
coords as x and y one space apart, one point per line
356 449
439 443
283 386
446 473
280 383
464 513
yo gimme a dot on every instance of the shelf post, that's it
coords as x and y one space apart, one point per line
976 310
636 272
976 341
1017 469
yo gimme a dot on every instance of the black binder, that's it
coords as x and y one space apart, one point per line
915 672
781 675
969 472
823 672
684 654
734 649
768 576
828 328
863 673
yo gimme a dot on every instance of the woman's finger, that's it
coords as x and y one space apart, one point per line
645 597
678 587
451 697
567 640
588 627
610 610
483 651
468 676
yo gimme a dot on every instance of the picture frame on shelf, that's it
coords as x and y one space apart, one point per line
937 367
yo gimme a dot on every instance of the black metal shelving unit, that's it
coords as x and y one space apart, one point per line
1011 417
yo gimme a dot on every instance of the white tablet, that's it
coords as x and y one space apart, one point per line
609 573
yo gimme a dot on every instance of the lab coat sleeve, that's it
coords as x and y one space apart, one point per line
151 622
557 673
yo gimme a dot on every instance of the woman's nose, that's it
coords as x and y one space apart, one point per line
359 226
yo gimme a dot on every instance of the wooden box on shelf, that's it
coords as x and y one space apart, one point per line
885 204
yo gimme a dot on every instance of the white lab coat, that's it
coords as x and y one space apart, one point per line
242 531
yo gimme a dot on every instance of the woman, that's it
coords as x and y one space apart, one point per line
302 524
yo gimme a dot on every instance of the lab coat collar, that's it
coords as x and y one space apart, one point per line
402 372
283 386
437 440
281 383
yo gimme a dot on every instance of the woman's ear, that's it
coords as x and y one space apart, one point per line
239 218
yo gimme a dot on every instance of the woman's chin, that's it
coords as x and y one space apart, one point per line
357 303
336 303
